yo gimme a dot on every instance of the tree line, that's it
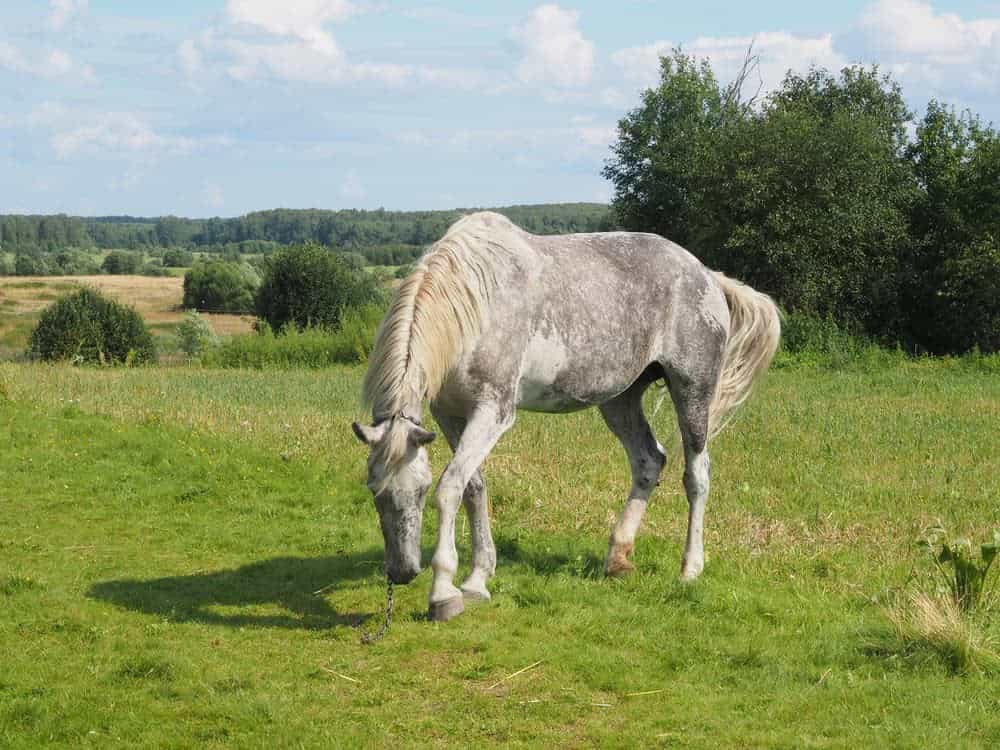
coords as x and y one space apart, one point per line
828 194
382 237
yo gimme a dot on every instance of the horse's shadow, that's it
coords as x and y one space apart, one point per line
293 584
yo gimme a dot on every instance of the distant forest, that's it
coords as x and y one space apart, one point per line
381 237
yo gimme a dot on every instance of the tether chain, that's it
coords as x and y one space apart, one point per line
377 636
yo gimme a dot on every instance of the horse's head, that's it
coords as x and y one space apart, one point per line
399 476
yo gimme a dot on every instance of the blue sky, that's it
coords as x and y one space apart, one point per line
220 107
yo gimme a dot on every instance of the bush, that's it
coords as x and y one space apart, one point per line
308 286
152 269
218 286
30 265
75 263
176 257
194 335
88 327
121 263
311 347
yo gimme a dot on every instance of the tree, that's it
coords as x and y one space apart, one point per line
667 158
218 286
951 289
307 285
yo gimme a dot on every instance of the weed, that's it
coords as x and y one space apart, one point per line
965 576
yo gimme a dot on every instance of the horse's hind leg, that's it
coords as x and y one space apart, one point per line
623 415
484 556
692 404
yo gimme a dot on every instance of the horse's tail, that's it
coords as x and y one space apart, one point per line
754 332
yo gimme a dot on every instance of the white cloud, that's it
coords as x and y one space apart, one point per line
303 19
555 52
942 54
61 11
911 28
778 52
52 64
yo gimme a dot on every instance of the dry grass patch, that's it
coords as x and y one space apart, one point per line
156 299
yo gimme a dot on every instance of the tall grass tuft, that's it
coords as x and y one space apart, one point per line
311 347
936 624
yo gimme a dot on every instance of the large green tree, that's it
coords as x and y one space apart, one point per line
308 285
218 286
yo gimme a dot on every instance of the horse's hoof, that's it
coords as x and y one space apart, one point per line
618 568
445 610
475 596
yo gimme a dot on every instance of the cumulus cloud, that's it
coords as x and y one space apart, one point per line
52 64
303 19
555 52
778 52
941 53
61 11
258 41
912 28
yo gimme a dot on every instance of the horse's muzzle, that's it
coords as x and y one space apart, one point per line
402 574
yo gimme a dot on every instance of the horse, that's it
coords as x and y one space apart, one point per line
494 319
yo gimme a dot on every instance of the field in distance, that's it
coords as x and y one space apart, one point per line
157 299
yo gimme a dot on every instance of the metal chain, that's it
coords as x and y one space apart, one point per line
367 638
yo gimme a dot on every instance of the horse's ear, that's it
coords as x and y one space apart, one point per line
419 436
367 435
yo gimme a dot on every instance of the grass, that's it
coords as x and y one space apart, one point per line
165 531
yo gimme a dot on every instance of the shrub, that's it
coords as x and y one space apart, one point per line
120 263
176 257
75 263
308 286
88 327
30 265
218 286
194 335
310 347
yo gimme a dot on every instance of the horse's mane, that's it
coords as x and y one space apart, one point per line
438 312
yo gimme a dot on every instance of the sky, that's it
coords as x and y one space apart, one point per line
221 107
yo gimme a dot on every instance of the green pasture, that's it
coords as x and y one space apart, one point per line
186 554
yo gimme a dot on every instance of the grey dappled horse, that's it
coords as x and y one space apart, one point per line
495 319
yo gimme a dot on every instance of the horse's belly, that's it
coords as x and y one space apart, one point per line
535 396
553 380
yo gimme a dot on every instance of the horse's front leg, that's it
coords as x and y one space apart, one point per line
481 433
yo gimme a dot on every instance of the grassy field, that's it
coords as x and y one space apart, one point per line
185 554
157 299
